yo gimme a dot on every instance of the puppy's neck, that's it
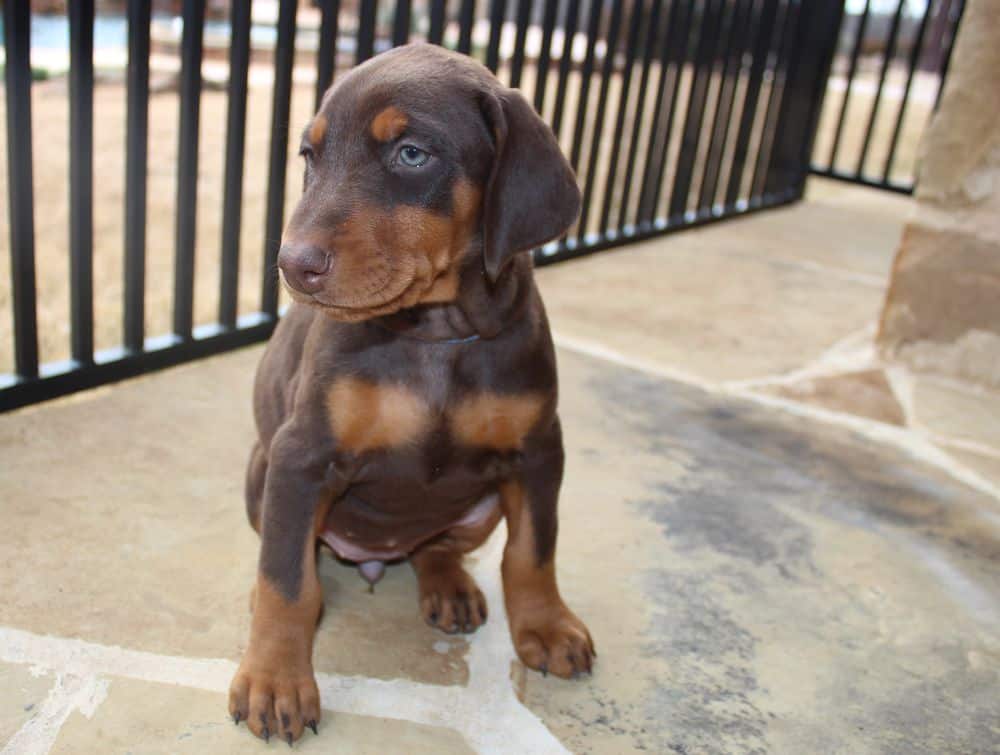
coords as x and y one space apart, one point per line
482 309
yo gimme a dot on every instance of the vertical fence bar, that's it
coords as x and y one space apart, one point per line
326 57
187 166
671 57
232 201
498 9
401 23
890 52
918 44
775 99
280 109
517 62
652 30
136 129
704 65
586 73
365 39
565 62
20 183
435 34
808 69
680 60
946 59
607 70
631 42
851 72
738 36
545 54
765 31
81 180
466 20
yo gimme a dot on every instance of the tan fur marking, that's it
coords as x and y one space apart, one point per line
317 130
389 124
277 664
542 627
490 420
528 585
367 415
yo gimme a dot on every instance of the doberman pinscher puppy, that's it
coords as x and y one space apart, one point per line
407 400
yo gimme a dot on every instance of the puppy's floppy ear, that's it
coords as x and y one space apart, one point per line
531 196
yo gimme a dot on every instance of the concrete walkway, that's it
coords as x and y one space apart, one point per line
778 544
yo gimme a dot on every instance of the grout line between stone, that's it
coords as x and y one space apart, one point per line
851 353
68 693
902 438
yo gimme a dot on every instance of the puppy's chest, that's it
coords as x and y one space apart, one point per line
426 417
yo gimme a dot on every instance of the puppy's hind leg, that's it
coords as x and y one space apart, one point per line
450 599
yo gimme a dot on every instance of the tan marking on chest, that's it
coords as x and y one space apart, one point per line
365 416
491 420
389 124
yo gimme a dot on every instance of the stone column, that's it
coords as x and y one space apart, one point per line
942 311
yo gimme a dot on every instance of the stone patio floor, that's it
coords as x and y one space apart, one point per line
779 544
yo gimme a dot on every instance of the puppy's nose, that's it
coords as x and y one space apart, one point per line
304 266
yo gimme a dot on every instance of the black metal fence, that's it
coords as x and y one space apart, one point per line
888 72
673 112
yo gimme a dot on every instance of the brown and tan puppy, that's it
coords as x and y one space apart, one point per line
407 401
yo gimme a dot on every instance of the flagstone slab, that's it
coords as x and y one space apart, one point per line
755 583
161 719
22 692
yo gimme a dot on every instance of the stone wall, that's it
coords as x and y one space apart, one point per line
942 312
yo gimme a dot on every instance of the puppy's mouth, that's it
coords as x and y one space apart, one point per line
399 291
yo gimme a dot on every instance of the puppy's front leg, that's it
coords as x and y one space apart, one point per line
274 690
547 635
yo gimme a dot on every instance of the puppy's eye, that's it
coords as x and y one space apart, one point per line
307 153
413 156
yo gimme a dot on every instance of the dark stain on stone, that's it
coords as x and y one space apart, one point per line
954 712
707 707
747 472
752 466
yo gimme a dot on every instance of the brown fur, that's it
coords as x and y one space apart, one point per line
407 400
547 635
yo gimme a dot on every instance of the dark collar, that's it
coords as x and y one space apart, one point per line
442 324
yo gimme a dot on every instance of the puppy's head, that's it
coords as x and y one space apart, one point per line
418 164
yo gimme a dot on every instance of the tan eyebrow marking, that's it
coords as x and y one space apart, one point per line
317 130
389 124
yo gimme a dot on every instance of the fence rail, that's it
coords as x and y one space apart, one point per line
674 113
891 63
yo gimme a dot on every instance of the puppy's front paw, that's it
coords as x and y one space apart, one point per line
277 702
451 600
553 641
